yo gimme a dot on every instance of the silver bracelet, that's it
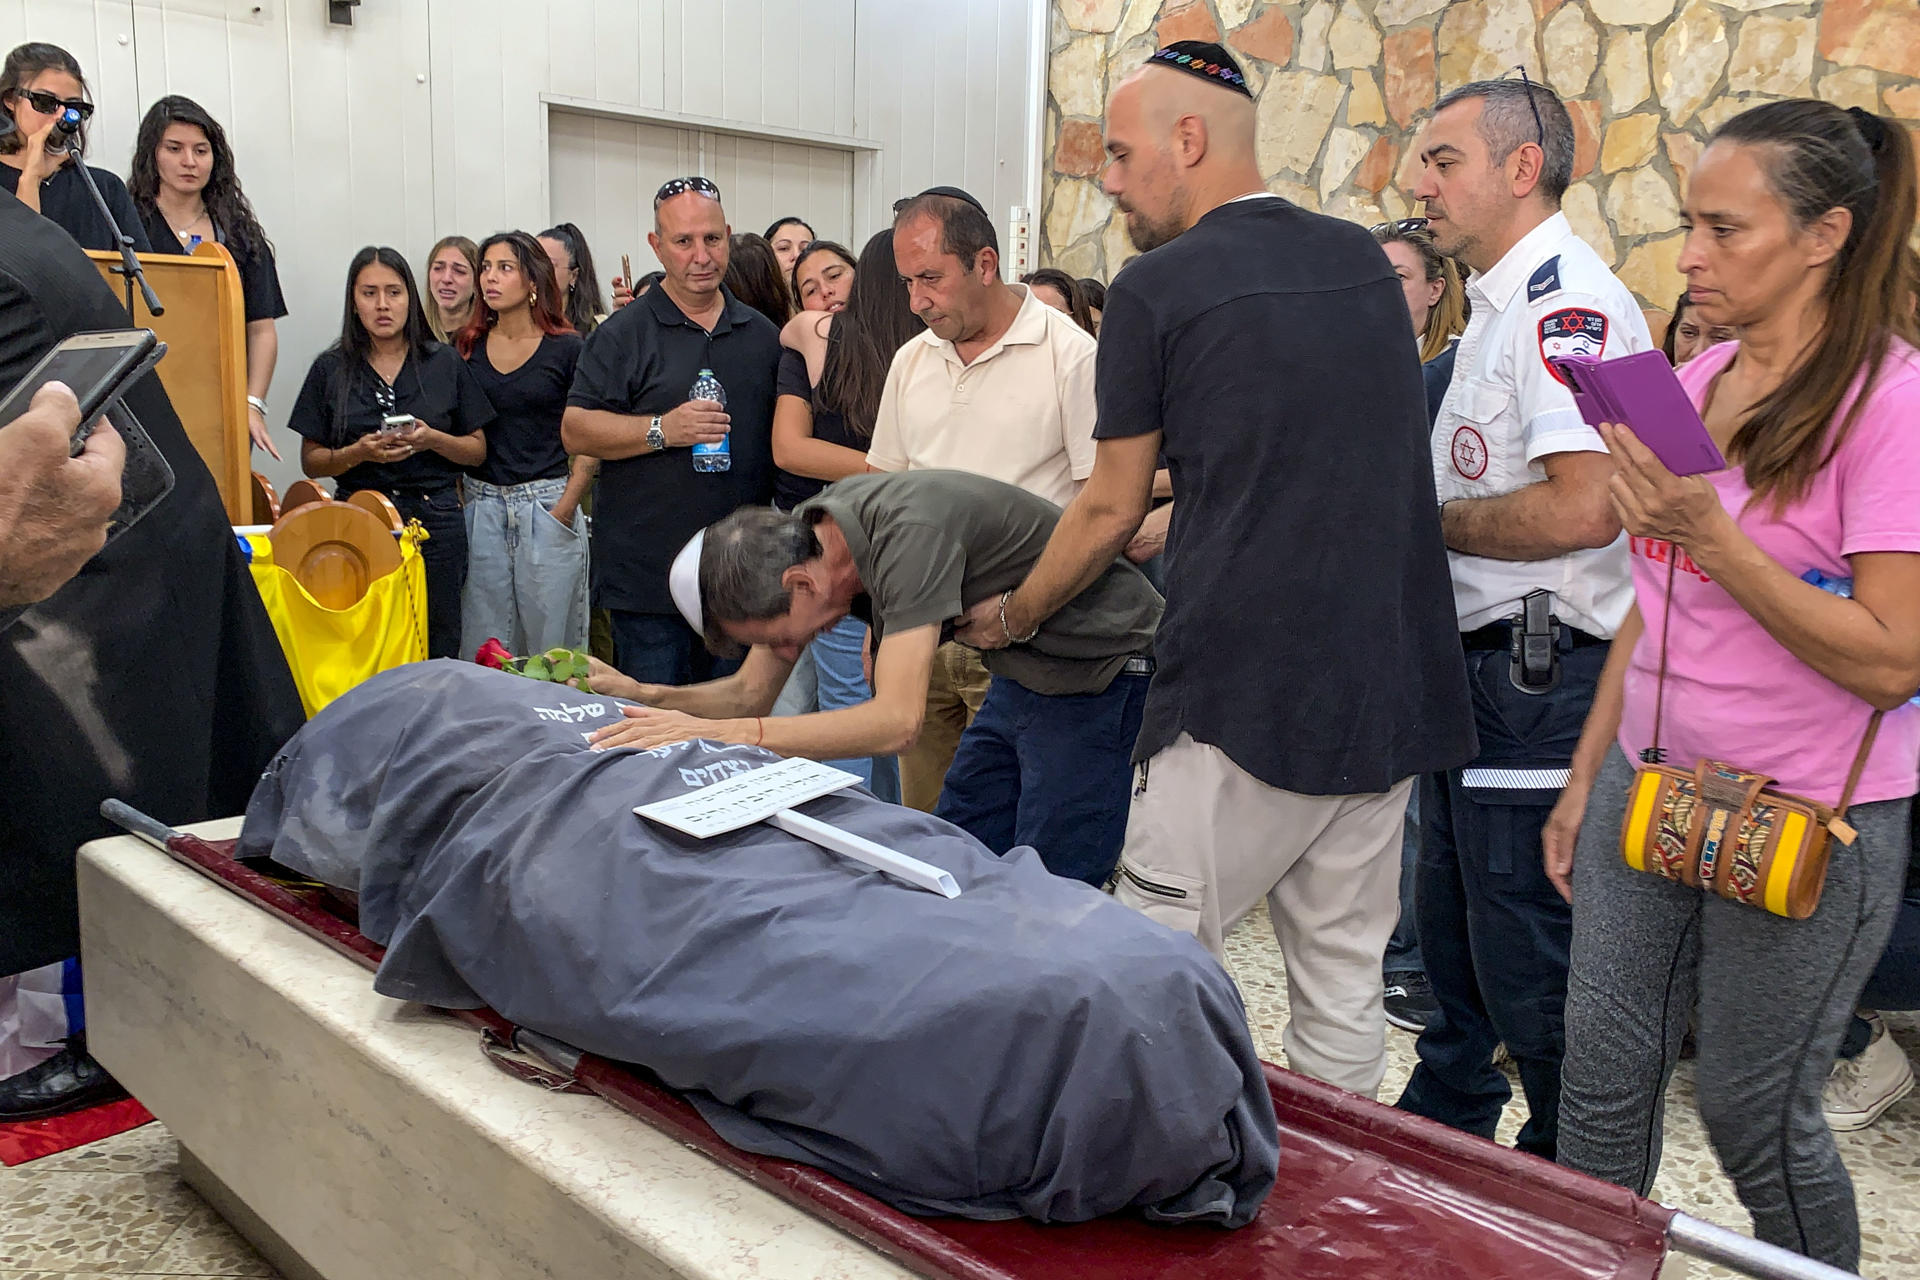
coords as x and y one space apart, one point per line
1006 630
259 405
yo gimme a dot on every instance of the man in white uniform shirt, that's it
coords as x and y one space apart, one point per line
1540 584
1000 385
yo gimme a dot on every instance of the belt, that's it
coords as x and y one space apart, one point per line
1497 637
1137 666
411 491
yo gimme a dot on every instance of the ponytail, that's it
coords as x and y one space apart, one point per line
1818 158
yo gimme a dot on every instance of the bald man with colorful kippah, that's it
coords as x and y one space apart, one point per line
1308 664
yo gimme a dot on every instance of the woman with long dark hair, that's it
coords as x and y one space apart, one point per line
754 277
789 238
832 371
388 408
585 306
526 536
453 275
1061 292
40 88
184 184
821 276
1774 640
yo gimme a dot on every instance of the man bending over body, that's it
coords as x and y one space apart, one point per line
1045 763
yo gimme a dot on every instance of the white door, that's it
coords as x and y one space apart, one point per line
605 171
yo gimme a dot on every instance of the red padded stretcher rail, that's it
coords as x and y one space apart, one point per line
1364 1192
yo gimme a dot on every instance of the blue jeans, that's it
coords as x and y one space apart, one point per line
1053 772
831 676
660 648
444 558
1494 932
1403 948
526 572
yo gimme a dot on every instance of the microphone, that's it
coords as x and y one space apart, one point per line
66 127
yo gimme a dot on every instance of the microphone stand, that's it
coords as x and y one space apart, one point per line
129 261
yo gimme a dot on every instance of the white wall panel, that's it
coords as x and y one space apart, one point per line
425 117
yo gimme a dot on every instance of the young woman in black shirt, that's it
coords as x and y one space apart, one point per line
832 370
40 83
184 184
573 269
385 365
526 537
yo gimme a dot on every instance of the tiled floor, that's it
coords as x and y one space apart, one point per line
118 1208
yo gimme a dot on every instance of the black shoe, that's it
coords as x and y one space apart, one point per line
68 1081
1409 1001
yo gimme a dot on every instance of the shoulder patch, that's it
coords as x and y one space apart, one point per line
1572 331
1544 281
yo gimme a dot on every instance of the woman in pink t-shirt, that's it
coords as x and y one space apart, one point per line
1798 218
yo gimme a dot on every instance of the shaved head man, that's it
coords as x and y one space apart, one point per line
1308 666
1178 147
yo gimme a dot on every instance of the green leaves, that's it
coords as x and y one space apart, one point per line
555 666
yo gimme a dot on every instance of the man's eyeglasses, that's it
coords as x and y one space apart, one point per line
46 104
1539 129
1399 227
680 186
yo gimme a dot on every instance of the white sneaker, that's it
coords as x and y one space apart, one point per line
1860 1089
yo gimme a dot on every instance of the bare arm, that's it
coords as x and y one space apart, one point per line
1602 728
263 352
469 450
1869 645
1162 484
750 691
1568 511
320 462
580 474
887 724
603 434
1092 531
798 450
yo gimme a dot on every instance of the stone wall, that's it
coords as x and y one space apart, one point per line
1343 86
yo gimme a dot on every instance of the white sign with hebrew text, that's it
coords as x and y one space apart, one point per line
748 798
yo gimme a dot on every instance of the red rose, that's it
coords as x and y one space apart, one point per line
493 654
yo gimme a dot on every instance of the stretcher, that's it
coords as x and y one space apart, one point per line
1364 1191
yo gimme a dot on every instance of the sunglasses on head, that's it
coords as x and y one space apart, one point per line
1399 227
46 104
680 186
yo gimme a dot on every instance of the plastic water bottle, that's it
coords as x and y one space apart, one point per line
710 457
1842 587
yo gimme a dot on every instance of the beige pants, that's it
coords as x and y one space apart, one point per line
954 694
1206 841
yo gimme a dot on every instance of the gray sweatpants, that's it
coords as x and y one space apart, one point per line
1774 997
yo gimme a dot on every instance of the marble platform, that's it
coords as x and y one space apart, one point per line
354 1137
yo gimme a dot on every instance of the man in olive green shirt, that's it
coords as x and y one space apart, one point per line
1046 763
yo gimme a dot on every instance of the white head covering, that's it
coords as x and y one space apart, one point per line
683 581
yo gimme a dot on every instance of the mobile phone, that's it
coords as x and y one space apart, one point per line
99 367
394 423
626 270
1640 391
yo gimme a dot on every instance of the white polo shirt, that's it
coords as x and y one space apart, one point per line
1021 413
1506 410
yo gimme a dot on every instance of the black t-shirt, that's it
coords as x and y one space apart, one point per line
1309 630
338 405
642 361
524 441
830 425
64 199
259 275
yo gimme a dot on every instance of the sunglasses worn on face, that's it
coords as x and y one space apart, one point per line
46 104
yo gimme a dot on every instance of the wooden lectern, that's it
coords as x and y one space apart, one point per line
205 370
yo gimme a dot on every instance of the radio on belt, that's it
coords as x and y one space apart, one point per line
1535 645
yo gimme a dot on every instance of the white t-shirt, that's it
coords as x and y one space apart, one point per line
1506 410
1021 413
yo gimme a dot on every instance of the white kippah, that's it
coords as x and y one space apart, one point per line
683 580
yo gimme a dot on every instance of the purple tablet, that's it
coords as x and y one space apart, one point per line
1640 392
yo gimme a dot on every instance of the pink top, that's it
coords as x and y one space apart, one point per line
1734 693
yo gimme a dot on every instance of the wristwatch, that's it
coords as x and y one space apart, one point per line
656 435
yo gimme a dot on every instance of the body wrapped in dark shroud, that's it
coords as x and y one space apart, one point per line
1030 1047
